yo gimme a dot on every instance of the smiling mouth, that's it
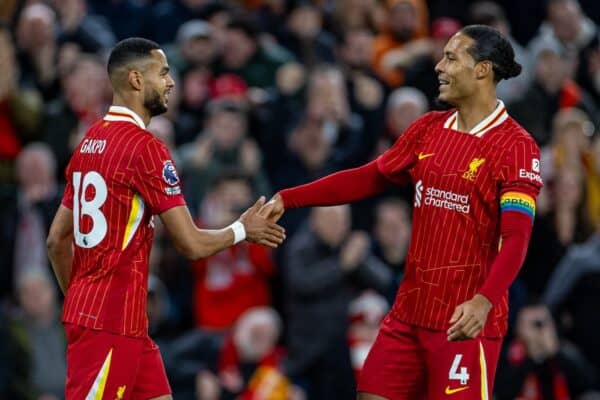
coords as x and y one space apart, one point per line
443 82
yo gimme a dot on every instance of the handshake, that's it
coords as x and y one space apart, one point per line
260 222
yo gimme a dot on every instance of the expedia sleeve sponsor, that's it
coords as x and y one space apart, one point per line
532 176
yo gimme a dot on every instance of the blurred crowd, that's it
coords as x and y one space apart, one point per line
275 93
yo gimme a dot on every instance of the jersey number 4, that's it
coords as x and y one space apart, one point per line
463 375
91 208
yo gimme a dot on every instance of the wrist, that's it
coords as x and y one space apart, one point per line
483 300
239 231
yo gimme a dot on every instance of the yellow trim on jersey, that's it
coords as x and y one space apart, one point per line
135 217
97 390
483 368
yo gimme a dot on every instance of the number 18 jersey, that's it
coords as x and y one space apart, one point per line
119 176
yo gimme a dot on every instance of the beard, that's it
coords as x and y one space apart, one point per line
153 103
439 104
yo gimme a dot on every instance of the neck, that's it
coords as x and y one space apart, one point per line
475 109
134 105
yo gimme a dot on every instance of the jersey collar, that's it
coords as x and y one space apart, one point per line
497 117
120 113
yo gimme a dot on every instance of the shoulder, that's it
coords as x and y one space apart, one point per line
511 134
432 118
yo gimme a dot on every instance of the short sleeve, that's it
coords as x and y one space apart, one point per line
156 178
520 180
395 162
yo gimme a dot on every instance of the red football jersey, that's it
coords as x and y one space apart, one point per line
119 176
463 181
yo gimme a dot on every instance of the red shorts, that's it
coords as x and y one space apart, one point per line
103 365
408 362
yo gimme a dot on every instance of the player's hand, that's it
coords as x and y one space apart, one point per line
469 318
274 208
260 229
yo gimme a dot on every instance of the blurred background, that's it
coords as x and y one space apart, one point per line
275 93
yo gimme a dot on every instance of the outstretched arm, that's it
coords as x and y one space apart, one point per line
196 243
338 188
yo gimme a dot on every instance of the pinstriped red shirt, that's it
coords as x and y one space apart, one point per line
119 176
461 179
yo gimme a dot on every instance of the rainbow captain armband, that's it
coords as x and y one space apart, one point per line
517 201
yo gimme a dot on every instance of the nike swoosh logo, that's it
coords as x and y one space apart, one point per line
449 391
422 156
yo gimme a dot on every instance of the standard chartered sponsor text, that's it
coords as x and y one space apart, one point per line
447 199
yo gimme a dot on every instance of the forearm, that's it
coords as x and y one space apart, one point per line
516 231
207 242
61 258
338 188
189 240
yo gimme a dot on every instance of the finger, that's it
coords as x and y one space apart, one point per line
265 210
470 327
268 243
456 314
455 336
474 329
274 227
460 324
275 238
259 203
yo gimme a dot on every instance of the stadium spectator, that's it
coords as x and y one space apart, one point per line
244 363
552 89
36 35
224 144
196 46
44 335
20 108
326 265
570 30
404 39
573 291
305 38
538 365
245 55
229 283
404 106
391 233
27 217
91 32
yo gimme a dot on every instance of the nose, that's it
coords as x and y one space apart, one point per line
170 81
439 66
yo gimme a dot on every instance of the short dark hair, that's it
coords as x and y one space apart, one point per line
486 13
492 46
245 24
128 50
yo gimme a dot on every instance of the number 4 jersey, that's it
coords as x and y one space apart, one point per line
119 176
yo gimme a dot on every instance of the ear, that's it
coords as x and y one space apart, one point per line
136 80
483 69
